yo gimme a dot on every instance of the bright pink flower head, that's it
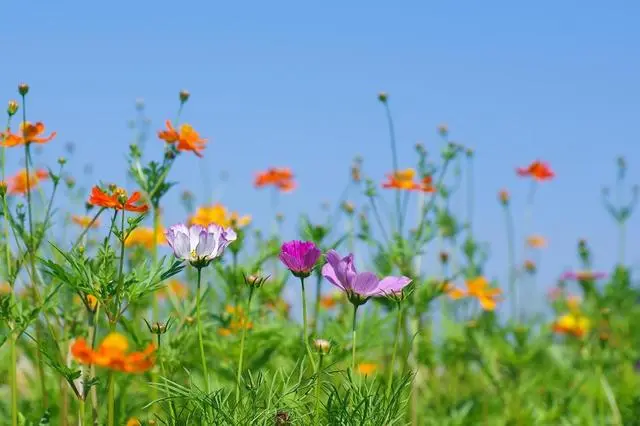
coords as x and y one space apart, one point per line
299 257
582 276
359 287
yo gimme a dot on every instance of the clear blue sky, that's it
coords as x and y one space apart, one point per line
295 84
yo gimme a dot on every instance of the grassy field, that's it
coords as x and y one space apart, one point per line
99 329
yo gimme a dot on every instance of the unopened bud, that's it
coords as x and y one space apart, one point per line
443 129
348 207
184 96
12 108
504 197
3 188
322 346
256 280
444 257
382 97
139 104
62 161
529 266
23 89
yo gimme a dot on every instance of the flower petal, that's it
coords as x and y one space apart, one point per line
365 284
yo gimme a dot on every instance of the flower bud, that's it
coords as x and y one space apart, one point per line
283 418
504 197
62 161
348 207
139 104
530 266
3 188
184 96
444 257
443 130
12 108
323 346
256 280
91 303
23 89
382 97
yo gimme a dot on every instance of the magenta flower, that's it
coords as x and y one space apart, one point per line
299 257
359 287
582 276
197 244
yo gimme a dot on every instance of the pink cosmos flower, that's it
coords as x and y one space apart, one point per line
299 257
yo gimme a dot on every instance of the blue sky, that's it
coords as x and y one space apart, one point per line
295 83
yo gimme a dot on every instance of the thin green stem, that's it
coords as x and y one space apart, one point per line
353 339
81 412
205 372
394 159
622 242
120 272
396 337
305 336
164 374
14 378
244 333
513 296
316 418
111 400
316 308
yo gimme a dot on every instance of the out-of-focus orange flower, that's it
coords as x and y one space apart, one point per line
238 321
219 215
367 368
427 184
280 177
279 306
118 200
402 180
478 288
573 323
187 138
92 302
5 288
133 422
143 236
85 221
29 133
17 184
329 301
112 354
573 303
537 170
174 286
536 241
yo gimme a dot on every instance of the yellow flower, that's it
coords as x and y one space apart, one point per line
174 286
479 288
85 221
573 323
367 368
144 237
133 422
219 215
536 241
5 288
92 302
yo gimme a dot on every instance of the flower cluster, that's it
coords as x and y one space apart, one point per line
112 354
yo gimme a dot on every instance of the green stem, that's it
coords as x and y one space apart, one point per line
317 392
395 349
205 372
305 336
111 400
120 273
81 412
622 242
14 379
316 308
353 339
394 159
513 296
164 374
244 333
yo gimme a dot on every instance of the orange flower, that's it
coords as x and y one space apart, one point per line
5 288
187 138
112 354
536 241
219 215
176 287
479 288
538 170
85 221
17 184
143 236
329 301
367 368
118 200
133 422
403 180
280 177
28 133
427 184
238 321
504 196
574 323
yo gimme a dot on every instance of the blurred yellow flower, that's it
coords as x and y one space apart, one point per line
219 215
5 288
536 241
85 221
133 422
367 368
144 237
479 288
238 321
174 286
574 323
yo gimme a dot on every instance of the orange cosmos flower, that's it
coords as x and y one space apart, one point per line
118 200
367 368
574 323
174 286
536 241
112 354
478 288
280 177
427 185
85 221
187 138
17 184
29 133
133 422
537 170
219 215
402 180
143 236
